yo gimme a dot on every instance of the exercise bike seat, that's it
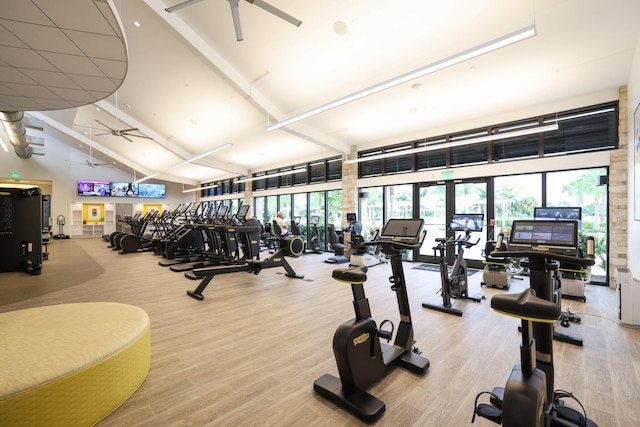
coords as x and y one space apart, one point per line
526 305
354 275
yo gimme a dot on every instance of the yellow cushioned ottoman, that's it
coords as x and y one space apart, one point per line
71 364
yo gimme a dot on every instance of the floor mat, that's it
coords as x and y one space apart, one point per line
436 268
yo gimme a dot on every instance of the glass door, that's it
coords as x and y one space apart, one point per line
433 209
471 197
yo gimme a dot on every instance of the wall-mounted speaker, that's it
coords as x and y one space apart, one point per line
602 180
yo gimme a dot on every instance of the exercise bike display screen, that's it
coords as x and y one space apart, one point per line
403 230
558 236
467 222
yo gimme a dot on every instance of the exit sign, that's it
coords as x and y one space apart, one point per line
447 175
15 175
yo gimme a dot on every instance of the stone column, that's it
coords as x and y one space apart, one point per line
350 183
618 193
248 195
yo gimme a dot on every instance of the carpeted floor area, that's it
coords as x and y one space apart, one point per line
56 275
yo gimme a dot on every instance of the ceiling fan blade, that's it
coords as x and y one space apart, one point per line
127 130
236 19
110 128
105 133
125 137
137 136
277 12
181 5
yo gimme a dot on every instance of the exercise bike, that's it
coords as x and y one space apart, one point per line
361 358
529 398
456 284
315 244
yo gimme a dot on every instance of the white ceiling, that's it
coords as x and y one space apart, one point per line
192 87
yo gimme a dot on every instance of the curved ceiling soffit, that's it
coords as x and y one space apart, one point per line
57 58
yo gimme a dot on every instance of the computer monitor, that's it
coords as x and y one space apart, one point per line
559 213
351 217
467 222
558 236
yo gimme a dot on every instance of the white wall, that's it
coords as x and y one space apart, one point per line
633 227
64 166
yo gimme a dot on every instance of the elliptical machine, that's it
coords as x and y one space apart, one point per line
362 360
529 398
456 284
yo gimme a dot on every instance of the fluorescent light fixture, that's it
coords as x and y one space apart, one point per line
206 187
271 175
4 146
222 147
466 55
462 142
138 181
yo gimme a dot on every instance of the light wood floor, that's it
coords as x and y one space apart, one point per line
249 353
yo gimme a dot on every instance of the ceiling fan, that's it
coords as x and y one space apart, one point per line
236 16
93 164
125 133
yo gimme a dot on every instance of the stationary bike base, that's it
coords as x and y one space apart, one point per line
360 403
442 308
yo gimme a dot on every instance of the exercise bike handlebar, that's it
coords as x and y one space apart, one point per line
547 255
397 244
459 240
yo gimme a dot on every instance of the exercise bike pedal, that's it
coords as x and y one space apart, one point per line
489 412
497 395
385 335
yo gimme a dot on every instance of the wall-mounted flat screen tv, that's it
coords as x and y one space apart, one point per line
94 188
467 222
151 190
124 189
559 213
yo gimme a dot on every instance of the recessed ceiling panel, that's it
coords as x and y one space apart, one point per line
55 44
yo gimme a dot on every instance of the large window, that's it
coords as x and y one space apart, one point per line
471 197
370 210
399 201
317 212
334 207
258 208
514 197
272 209
433 210
300 211
579 188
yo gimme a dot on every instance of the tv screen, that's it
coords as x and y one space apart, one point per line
555 214
467 222
151 190
124 189
93 188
